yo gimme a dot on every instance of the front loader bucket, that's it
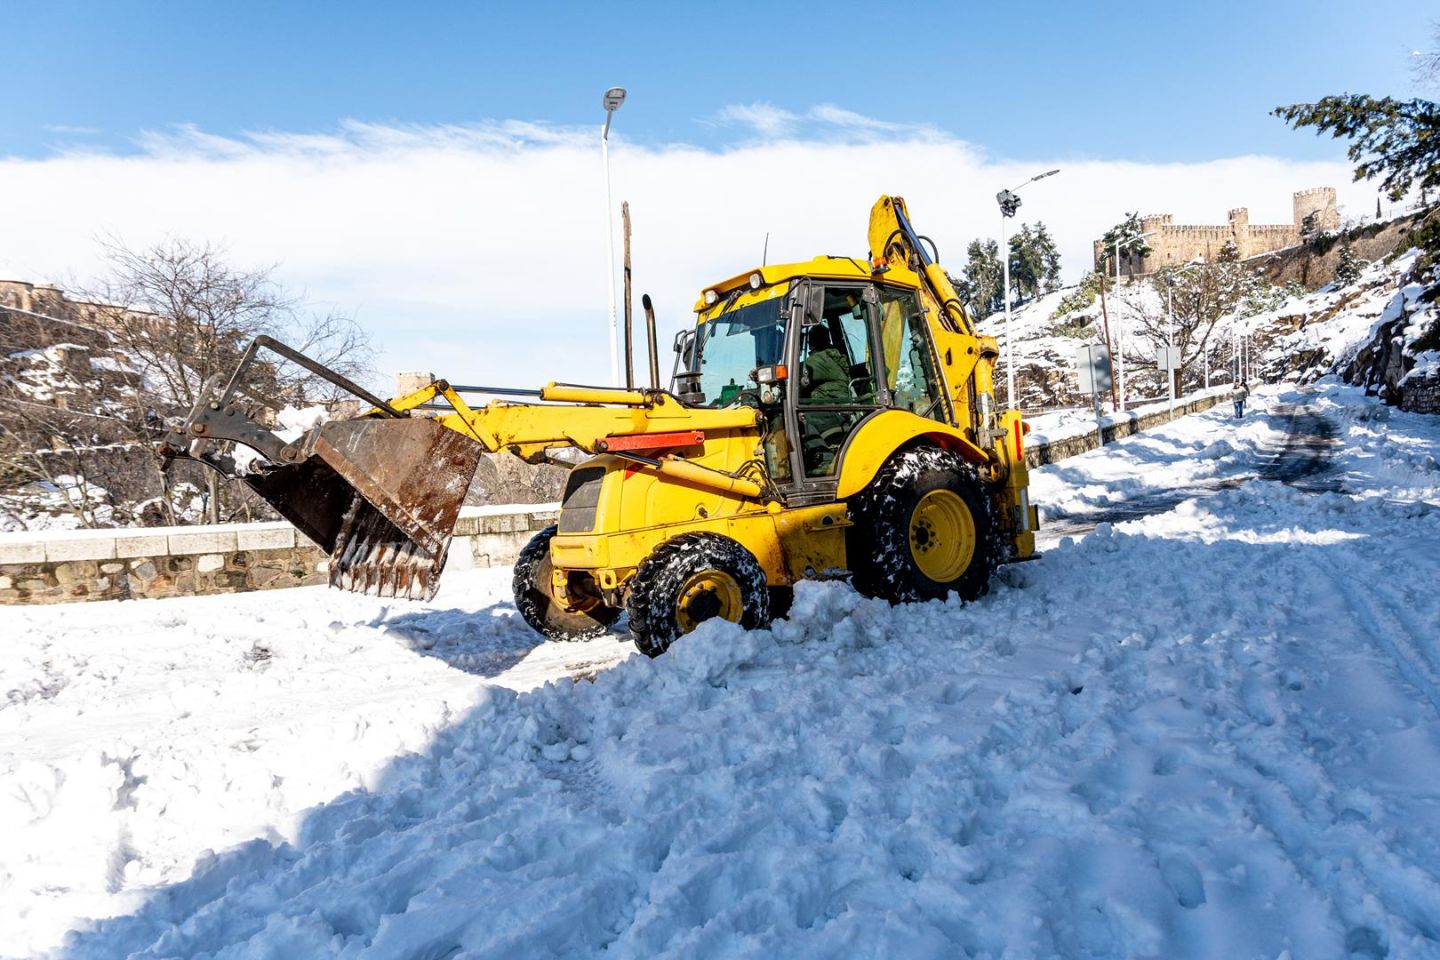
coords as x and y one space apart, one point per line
382 497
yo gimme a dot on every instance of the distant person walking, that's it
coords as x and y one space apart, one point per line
1239 395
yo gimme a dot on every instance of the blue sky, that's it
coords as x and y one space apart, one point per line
1177 82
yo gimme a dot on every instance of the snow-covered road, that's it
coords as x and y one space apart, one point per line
1212 730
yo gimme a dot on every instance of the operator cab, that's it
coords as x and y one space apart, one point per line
817 356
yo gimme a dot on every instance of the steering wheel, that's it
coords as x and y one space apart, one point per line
747 396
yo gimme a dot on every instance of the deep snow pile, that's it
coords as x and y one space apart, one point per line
1212 732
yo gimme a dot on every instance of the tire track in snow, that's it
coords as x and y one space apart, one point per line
1385 625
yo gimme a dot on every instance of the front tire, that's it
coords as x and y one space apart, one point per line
923 528
690 579
535 598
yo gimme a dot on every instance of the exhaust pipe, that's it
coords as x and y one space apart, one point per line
654 346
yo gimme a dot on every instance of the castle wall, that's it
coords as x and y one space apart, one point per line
1173 244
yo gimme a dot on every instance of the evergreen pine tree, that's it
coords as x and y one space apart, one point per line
1023 279
1130 235
1048 257
983 276
1347 269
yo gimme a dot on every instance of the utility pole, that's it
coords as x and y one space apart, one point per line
1171 369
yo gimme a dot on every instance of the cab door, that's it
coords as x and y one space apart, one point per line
834 375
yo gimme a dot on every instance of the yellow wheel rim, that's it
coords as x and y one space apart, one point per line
706 595
942 536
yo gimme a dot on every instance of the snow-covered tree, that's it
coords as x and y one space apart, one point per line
1347 269
983 277
1129 234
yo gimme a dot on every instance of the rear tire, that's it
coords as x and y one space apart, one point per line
535 599
690 579
923 528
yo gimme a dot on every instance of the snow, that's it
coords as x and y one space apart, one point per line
1210 729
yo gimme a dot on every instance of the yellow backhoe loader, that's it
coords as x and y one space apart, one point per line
828 419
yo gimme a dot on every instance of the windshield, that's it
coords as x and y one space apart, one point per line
732 345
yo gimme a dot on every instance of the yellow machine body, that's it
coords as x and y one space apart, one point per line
751 462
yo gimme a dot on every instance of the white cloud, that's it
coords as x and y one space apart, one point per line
478 252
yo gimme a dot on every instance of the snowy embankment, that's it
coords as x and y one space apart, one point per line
1064 424
1210 732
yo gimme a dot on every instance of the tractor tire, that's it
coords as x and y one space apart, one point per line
922 529
535 600
691 579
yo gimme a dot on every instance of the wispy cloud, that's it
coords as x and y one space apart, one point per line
823 122
767 119
356 137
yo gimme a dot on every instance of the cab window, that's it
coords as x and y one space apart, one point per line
909 368
732 344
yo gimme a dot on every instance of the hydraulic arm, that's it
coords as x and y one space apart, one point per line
381 492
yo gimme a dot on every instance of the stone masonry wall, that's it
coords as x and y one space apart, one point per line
1060 449
57 567
1420 394
1172 244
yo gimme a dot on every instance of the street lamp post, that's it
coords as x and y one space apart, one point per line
614 97
1009 203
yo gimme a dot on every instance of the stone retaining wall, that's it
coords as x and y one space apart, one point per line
1054 450
56 567
1420 394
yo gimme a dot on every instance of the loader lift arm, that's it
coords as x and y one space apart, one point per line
381 492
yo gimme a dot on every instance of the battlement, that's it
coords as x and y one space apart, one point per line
1173 244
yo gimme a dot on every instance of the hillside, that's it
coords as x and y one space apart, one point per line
1378 331
81 409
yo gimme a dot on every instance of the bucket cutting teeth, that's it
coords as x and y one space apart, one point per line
373 557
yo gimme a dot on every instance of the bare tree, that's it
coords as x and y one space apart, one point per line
1202 294
167 320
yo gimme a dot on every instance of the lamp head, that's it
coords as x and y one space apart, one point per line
613 98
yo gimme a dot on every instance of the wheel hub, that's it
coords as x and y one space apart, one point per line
706 595
942 535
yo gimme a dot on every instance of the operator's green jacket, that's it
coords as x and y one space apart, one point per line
829 376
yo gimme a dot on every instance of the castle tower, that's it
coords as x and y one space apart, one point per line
1239 219
1320 201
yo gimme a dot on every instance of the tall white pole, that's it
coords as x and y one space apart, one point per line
1119 328
610 245
1009 338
